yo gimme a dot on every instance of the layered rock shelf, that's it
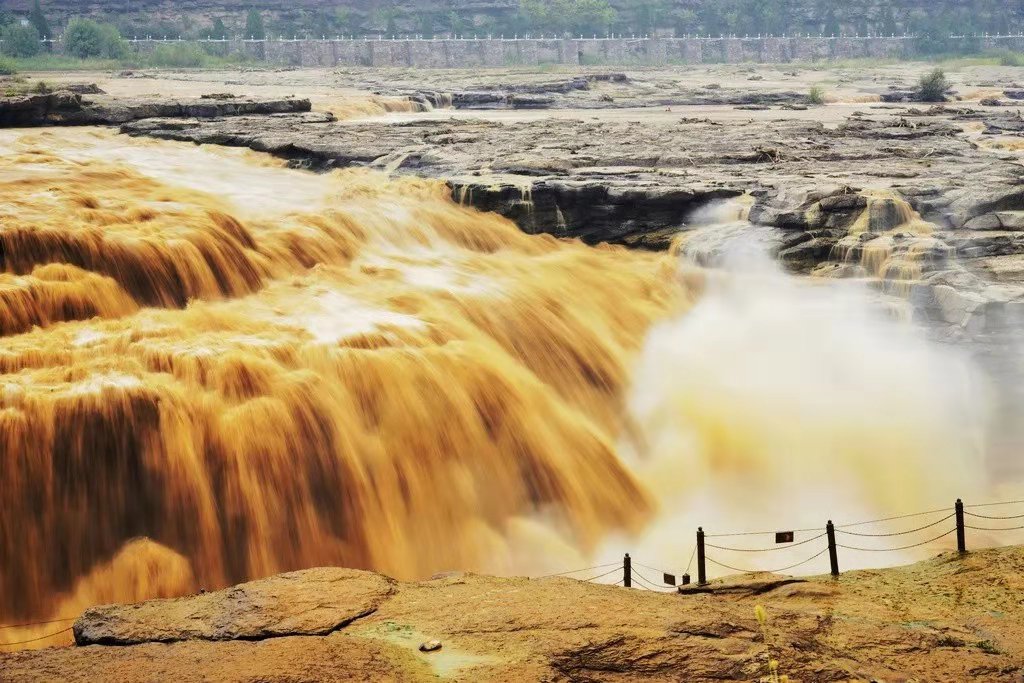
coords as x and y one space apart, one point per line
950 618
67 107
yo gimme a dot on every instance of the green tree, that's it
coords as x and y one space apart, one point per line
389 16
561 16
685 21
318 23
20 41
254 27
85 38
589 16
282 26
886 22
712 18
7 18
456 23
38 20
647 15
218 30
932 35
534 13
425 23
349 20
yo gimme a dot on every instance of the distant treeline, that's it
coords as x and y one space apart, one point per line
931 20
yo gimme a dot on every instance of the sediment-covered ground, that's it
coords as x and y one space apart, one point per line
948 619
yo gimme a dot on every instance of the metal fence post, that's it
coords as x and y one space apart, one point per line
961 541
627 571
833 559
702 574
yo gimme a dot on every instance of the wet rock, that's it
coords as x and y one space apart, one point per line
807 254
530 101
896 95
83 88
643 215
985 244
1011 220
1004 123
955 306
39 109
805 208
623 182
988 221
470 100
973 202
64 107
310 602
901 128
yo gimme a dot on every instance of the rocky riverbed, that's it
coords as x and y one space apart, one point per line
824 197
925 201
89 106
948 619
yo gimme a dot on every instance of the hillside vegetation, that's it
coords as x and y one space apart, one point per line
932 19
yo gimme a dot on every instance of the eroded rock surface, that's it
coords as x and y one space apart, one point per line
302 603
918 199
950 618
639 183
70 107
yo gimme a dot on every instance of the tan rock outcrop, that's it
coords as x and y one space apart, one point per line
953 618
304 603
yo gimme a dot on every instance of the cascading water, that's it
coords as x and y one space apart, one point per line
293 370
890 241
258 369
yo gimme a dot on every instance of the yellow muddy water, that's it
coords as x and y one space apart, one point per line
262 369
215 368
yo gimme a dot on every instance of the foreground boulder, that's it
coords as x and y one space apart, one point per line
952 618
311 602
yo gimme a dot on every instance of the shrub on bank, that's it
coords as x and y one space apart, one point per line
20 41
816 95
85 38
1010 58
933 86
7 67
178 55
254 27
38 21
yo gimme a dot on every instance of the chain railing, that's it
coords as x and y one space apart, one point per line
404 38
633 574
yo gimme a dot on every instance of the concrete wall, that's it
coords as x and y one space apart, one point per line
469 53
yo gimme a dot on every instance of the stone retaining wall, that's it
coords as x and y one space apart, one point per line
468 53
